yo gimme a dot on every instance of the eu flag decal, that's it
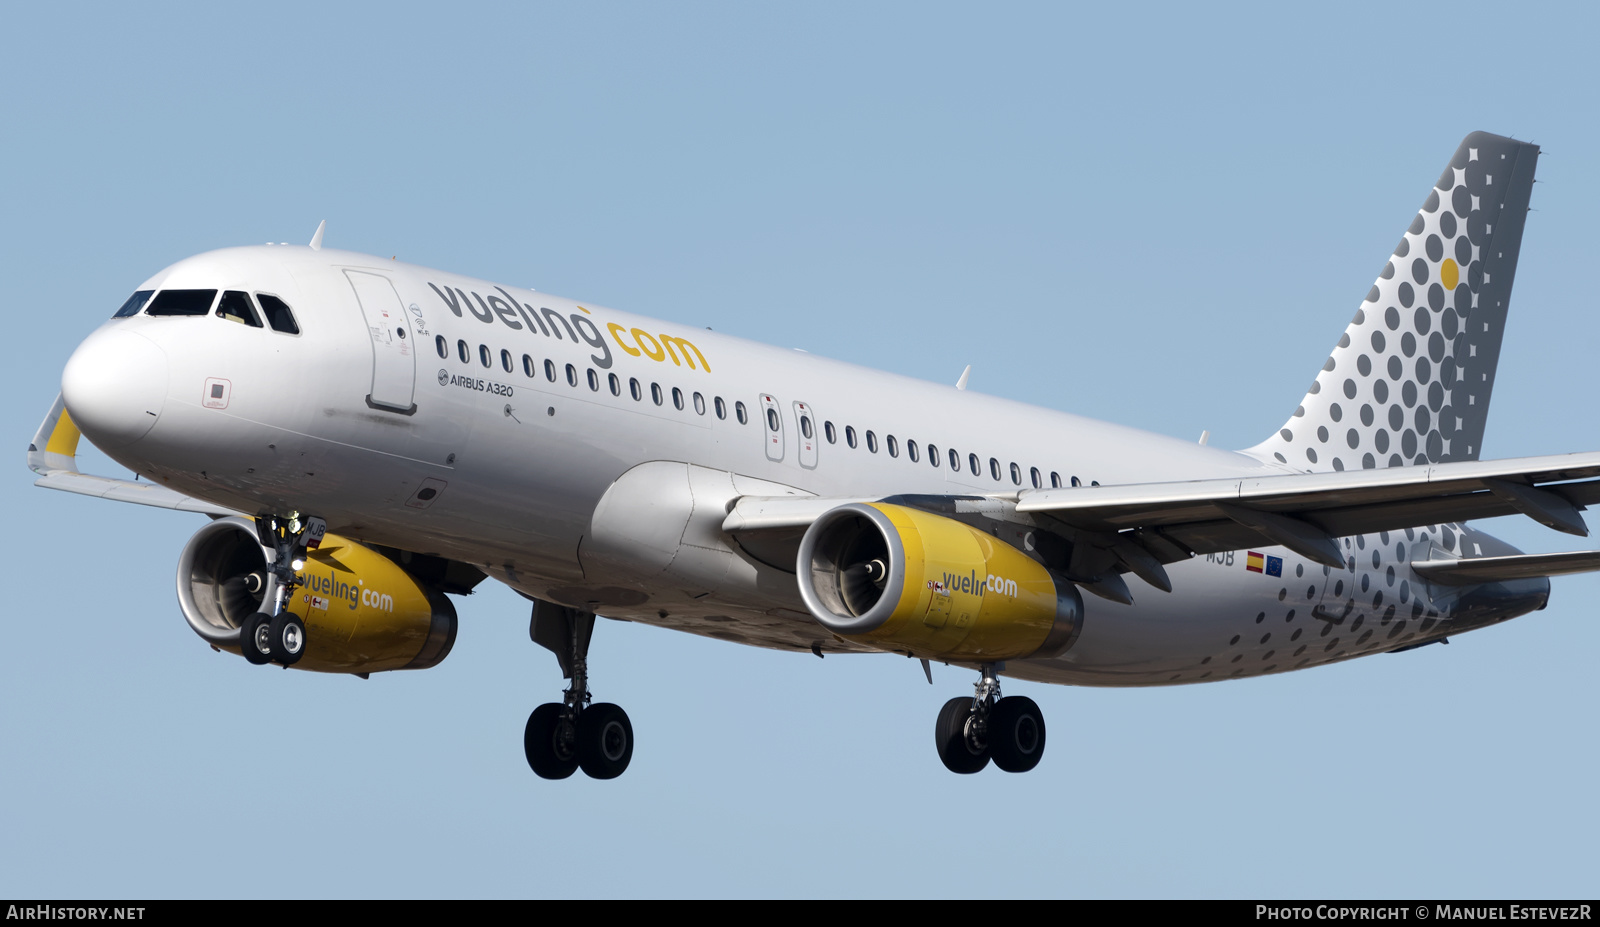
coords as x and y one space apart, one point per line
1252 561
1274 566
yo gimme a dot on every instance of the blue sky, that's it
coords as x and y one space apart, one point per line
1162 217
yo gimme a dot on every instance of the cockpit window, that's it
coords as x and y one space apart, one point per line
134 304
235 307
278 314
182 302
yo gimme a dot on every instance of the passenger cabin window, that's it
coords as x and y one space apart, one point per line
772 419
827 429
279 318
739 413
933 454
483 355
722 407
528 368
677 398
972 462
850 435
633 387
594 380
442 346
1055 480
805 426
872 442
463 352
1076 482
655 393
182 302
134 304
235 307
505 360
616 385
955 461
572 375
699 404
550 370
1038 482
1016 474
892 445
911 450
994 468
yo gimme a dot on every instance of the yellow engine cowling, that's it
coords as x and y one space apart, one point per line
906 580
363 613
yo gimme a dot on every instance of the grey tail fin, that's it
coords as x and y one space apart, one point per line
1409 382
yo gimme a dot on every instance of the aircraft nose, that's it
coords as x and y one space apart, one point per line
114 385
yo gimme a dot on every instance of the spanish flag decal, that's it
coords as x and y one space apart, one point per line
1259 563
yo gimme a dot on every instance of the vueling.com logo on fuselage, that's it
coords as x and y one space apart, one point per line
518 316
973 585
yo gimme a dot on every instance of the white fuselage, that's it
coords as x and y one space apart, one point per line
360 419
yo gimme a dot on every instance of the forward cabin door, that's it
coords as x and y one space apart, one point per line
394 356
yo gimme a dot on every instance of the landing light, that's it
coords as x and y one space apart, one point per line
297 564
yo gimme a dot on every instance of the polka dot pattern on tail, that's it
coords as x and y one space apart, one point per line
1430 325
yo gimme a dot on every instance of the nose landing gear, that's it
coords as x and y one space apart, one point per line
970 732
561 738
273 635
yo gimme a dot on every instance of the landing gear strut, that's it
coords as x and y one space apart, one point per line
972 731
273 635
561 738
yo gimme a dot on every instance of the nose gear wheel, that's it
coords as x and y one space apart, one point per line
273 635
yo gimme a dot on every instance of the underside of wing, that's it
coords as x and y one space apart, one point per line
1305 511
1093 534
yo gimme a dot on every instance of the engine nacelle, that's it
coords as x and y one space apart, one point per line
901 579
362 612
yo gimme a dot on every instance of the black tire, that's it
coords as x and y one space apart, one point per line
287 639
549 743
254 640
1016 734
605 741
962 749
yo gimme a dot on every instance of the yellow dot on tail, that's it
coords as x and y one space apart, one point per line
1449 274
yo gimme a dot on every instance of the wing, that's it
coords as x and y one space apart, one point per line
54 456
1306 511
1092 534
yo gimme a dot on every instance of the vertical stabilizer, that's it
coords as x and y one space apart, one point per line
1410 380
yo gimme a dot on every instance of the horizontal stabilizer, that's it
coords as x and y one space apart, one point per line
54 456
1501 569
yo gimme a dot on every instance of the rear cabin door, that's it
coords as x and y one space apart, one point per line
394 356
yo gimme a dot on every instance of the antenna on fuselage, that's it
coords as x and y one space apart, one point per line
316 240
962 383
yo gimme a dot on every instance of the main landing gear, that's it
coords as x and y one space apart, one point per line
972 731
273 635
561 738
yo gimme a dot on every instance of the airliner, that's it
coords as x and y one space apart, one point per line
368 438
